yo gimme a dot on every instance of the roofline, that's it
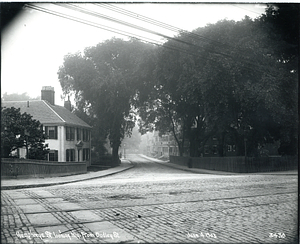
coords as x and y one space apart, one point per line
86 126
63 122
53 111
67 124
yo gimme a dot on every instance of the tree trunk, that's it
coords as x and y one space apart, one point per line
222 144
115 155
193 144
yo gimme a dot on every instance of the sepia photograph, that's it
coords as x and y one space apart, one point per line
149 122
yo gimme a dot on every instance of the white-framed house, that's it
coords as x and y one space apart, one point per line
69 137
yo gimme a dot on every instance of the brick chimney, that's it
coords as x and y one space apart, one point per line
48 94
67 104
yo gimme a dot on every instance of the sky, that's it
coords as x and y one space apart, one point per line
34 43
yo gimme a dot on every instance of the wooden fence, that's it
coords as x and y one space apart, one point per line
239 164
14 167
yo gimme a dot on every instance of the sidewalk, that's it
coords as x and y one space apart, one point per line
205 171
10 184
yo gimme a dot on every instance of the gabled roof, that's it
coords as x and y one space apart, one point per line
47 113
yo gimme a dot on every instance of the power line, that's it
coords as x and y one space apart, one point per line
125 33
241 57
161 24
179 30
234 5
151 21
93 24
96 14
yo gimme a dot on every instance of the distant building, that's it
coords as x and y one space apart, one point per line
212 147
162 146
69 137
166 145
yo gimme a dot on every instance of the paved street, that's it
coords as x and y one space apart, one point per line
155 203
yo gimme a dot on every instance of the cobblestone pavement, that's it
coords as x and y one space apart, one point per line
155 204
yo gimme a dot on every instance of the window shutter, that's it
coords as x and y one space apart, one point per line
55 136
46 131
56 155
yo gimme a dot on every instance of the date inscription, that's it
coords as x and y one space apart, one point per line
278 235
201 235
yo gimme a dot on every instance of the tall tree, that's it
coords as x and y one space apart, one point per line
242 83
20 130
98 139
224 80
104 80
280 23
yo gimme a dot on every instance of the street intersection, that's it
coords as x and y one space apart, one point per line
153 203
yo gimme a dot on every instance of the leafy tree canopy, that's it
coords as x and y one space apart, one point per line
229 78
105 80
20 130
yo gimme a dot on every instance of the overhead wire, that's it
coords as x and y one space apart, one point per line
179 30
124 33
190 34
90 23
234 5
96 14
158 23
169 27
110 29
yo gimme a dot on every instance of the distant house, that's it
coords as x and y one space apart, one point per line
212 146
165 145
69 137
162 146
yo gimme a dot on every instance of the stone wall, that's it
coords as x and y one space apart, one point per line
22 168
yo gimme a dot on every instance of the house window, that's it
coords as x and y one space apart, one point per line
51 132
86 135
70 133
70 155
78 134
85 154
53 155
231 148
